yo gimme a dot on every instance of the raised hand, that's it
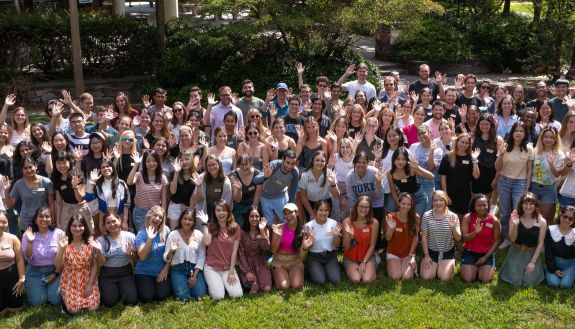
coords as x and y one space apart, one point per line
377 151
350 70
359 136
463 111
270 94
175 244
116 151
235 182
300 134
278 229
413 162
273 110
514 219
453 221
336 230
30 234
78 153
503 148
379 175
240 133
390 222
439 77
331 177
10 100
551 158
212 99
414 97
263 223
94 176
300 68
146 101
197 179
309 239
268 171
178 165
137 159
348 229
63 242
331 161
203 217
66 98
96 244
76 180
151 232
145 144
475 153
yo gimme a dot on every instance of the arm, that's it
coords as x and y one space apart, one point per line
174 182
496 237
165 198
293 184
19 258
540 240
529 170
132 176
465 235
257 195
276 239
392 188
475 172
423 173
305 202
373 240
50 198
234 256
456 230
58 208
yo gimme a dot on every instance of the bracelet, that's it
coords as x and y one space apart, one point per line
364 261
334 185
22 280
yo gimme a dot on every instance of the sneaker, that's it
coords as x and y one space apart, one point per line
505 244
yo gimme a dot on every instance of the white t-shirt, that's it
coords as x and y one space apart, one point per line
354 86
323 235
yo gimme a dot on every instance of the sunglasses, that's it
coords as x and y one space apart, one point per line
178 110
252 133
255 116
127 139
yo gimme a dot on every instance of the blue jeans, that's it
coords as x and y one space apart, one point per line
566 201
421 201
567 266
427 187
38 292
139 217
273 206
510 191
179 276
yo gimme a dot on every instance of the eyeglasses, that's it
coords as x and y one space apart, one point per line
252 133
372 126
127 139
178 110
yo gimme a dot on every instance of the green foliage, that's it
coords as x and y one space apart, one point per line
40 41
211 57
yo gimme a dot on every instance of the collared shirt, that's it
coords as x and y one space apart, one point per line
218 113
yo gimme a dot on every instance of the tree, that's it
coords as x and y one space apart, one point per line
506 8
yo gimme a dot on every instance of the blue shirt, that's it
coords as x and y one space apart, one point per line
152 265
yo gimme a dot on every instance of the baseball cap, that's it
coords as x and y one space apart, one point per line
282 85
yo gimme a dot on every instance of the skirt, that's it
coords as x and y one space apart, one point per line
513 268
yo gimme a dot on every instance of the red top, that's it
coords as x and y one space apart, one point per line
362 237
482 242
400 243
219 254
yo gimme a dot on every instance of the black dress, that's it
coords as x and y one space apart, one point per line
458 181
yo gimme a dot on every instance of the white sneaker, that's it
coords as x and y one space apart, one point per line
505 244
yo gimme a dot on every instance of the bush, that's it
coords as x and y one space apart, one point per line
41 41
210 58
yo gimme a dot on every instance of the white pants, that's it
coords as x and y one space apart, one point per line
218 284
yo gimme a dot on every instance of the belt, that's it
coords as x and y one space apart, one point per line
522 247
323 253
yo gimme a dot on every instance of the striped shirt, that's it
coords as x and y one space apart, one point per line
439 234
148 195
83 141
315 192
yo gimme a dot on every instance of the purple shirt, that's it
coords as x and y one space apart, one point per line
218 113
43 250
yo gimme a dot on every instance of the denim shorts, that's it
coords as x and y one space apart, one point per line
469 257
547 194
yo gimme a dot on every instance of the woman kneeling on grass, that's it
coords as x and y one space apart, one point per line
560 250
527 229
359 238
481 234
255 241
287 248
401 232
439 231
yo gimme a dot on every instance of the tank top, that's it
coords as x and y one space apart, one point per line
362 238
483 241
281 153
409 185
7 254
400 243
527 236
286 242
257 162
306 155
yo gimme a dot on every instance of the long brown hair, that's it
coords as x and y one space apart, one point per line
412 216
231 224
528 196
354 214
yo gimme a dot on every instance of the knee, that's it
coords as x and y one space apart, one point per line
354 278
317 279
54 298
566 284
217 295
298 284
282 285
267 288
394 276
236 293
467 277
36 299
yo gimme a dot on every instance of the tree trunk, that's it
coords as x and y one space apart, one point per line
506 8
536 11
571 73
161 24
382 42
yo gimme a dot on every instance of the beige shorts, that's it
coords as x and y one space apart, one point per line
287 261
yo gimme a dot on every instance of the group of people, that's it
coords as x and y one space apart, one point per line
111 204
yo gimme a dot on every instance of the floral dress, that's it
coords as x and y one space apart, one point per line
77 266
251 260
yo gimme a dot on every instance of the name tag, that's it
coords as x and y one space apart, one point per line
251 188
365 230
230 142
63 187
490 225
489 150
161 244
453 115
399 229
351 130
465 161
113 250
279 183
404 180
218 190
40 189
5 247
524 157
258 236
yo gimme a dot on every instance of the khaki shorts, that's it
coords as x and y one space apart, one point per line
287 261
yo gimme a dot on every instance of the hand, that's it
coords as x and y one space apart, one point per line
163 275
78 153
377 106
212 99
463 111
235 182
137 159
66 99
197 179
250 277
192 281
8 152
440 77
146 101
481 261
494 184
413 162
63 242
551 158
129 249
232 278
30 234
300 68
96 245
529 268
559 273
178 166
379 176
145 144
108 155
94 176
289 93
378 151
273 110
391 224
10 100
359 136
503 149
263 223
348 229
175 244
331 135
278 229
475 153
426 262
240 133
116 151
477 227
514 217
270 95
331 161
87 290
6 183
300 134
309 239
331 178
151 232
18 288
350 70
203 217
336 230
453 221
414 97
362 267
268 171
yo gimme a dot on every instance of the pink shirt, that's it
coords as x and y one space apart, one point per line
148 195
286 242
411 134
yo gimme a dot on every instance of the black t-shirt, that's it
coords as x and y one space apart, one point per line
184 191
417 86
124 166
291 126
64 187
453 114
324 123
462 99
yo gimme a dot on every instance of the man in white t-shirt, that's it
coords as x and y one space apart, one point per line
361 83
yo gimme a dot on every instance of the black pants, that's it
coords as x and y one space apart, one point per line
149 289
8 278
114 289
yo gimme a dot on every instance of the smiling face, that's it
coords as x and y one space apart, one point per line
29 170
44 219
361 166
3 223
438 203
419 116
20 117
96 144
151 163
59 143
213 167
404 205
4 134
363 208
106 170
77 228
393 138
120 102
401 161
319 162
322 212
481 207
254 217
548 139
112 224
156 218
37 132
221 213
63 165
161 148
158 123
518 135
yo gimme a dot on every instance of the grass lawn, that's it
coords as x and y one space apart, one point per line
414 304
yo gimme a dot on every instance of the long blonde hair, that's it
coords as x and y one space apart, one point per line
556 147
161 231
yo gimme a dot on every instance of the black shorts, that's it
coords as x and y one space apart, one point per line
9 278
450 254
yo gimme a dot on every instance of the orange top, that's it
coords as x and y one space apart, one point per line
400 243
362 237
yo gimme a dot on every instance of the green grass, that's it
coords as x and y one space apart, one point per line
522 7
385 304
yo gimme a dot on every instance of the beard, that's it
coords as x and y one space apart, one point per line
248 93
